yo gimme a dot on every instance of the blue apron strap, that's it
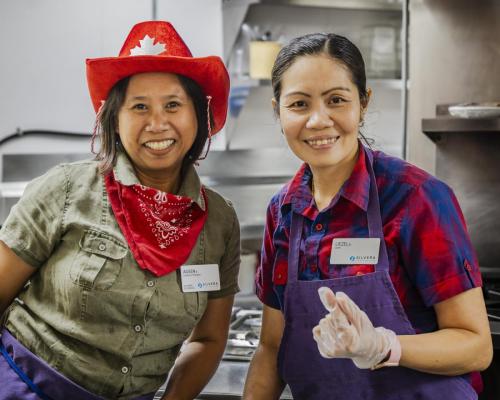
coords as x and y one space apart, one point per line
296 226
34 388
375 227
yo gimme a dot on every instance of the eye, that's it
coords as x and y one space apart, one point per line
297 105
140 107
172 105
337 100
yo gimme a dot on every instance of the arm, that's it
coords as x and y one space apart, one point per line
462 344
263 381
203 350
32 229
14 273
436 250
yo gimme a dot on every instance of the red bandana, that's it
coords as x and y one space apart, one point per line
160 228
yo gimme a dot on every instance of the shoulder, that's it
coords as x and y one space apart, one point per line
81 169
399 170
216 200
399 179
219 207
54 180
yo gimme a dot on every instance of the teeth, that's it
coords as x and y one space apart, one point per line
160 145
321 142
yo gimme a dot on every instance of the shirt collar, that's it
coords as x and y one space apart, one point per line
298 193
356 189
190 185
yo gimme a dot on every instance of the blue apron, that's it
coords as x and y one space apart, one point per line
27 377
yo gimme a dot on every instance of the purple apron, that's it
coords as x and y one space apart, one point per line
312 377
22 374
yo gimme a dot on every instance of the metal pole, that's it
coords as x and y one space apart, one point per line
154 9
404 77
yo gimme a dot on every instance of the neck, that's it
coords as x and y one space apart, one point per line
166 183
327 181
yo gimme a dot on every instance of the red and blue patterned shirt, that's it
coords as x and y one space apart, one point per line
430 253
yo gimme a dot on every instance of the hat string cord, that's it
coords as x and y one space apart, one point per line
209 98
97 128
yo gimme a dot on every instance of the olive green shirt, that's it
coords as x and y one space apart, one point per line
90 311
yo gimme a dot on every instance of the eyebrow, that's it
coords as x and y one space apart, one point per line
322 94
169 96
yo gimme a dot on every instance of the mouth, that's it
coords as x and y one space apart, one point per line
159 144
320 142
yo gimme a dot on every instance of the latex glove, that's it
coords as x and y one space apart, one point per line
347 332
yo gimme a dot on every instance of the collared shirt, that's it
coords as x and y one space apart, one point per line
89 310
430 254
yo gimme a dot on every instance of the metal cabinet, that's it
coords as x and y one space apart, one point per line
251 123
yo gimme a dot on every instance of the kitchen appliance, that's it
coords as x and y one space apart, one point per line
475 110
229 379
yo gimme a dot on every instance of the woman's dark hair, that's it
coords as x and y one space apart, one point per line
108 120
336 46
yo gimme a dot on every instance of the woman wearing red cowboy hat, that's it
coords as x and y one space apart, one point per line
128 256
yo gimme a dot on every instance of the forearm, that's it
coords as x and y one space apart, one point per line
263 381
448 351
193 369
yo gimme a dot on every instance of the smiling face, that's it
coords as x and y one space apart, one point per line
320 111
157 125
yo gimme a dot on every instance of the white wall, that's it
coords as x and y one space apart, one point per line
44 44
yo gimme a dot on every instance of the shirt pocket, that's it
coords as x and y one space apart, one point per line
98 261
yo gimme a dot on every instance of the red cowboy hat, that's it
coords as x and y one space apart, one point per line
155 46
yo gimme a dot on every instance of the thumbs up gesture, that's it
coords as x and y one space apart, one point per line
347 332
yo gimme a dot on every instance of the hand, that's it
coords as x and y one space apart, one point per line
347 332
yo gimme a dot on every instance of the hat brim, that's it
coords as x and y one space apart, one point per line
208 72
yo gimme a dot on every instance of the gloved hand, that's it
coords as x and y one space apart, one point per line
347 332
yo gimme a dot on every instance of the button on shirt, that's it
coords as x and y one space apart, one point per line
90 311
430 254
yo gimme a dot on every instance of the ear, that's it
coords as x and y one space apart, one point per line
364 103
275 105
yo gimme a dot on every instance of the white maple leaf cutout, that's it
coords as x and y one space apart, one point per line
146 47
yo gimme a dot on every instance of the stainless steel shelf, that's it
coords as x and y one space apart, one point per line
388 5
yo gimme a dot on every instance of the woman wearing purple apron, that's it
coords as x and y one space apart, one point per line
370 285
128 256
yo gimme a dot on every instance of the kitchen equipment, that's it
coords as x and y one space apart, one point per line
254 324
229 379
262 56
380 47
246 276
475 110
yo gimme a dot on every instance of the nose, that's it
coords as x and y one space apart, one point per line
158 121
319 118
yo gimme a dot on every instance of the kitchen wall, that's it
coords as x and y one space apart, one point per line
454 57
44 46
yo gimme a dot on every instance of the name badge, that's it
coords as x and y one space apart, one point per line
200 278
355 251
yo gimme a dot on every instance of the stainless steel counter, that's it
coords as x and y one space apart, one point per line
228 382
